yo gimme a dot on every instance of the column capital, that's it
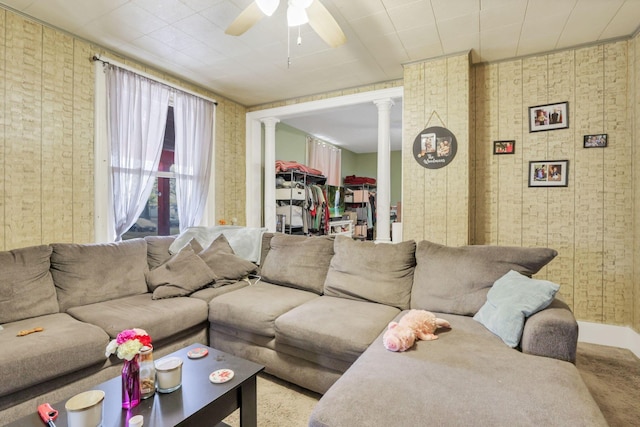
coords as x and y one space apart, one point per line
384 103
270 121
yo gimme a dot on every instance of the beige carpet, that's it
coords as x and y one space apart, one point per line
611 374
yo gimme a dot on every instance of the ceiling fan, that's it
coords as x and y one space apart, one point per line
299 12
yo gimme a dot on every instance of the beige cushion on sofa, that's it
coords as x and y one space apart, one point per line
456 279
161 318
64 346
26 286
183 274
298 261
368 271
337 327
158 249
89 273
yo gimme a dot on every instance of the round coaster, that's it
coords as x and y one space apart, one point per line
221 376
197 353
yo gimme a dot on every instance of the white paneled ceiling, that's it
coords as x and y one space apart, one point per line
186 37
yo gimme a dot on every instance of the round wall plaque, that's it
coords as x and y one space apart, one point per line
435 147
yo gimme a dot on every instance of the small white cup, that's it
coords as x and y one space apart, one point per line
169 374
85 409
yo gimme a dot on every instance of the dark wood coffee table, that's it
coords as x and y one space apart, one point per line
198 402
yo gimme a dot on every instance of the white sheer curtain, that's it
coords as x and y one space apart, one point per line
137 115
325 157
194 123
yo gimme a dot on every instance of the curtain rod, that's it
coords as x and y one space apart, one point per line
108 61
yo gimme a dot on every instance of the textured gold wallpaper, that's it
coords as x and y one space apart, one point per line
46 136
435 202
590 221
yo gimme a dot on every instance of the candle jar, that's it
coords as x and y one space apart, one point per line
169 374
147 372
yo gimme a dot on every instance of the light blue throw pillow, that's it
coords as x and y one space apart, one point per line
511 299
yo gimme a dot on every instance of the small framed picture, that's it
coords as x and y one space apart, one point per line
548 173
549 117
593 141
504 147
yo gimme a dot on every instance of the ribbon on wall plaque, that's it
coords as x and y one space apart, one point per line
435 147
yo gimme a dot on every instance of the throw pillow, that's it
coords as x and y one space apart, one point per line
158 249
183 274
456 280
225 264
26 286
510 300
299 262
375 272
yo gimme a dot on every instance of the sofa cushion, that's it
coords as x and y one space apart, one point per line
298 261
255 308
511 299
334 327
161 318
183 274
456 279
467 377
65 345
90 273
26 286
225 264
368 271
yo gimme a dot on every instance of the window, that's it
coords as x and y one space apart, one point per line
160 215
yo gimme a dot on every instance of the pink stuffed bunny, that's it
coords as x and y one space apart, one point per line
423 324
398 337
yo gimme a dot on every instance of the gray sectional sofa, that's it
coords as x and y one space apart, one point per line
312 311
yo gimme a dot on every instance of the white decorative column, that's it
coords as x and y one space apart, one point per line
270 173
383 195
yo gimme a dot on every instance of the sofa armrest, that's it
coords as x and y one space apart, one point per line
552 332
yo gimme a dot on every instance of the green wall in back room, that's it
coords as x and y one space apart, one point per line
291 146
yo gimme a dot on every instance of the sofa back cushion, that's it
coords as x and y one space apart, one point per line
368 271
456 279
26 286
298 261
90 273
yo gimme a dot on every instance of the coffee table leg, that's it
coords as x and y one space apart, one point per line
248 403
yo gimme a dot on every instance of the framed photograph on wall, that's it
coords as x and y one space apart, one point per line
548 173
549 117
504 147
593 141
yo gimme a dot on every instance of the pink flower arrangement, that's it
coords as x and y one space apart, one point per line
128 343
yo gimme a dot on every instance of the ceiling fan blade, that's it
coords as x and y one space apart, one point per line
247 19
325 25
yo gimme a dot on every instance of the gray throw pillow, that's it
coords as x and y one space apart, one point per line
26 286
298 261
456 279
225 264
89 273
183 274
158 249
375 272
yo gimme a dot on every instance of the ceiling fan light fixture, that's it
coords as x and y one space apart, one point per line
296 16
268 7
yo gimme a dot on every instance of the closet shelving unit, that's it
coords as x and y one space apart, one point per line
292 199
358 197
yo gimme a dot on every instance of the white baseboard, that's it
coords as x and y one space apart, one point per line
615 336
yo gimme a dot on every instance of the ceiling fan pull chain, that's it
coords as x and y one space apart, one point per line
299 36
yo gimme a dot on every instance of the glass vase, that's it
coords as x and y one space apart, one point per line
147 372
130 383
